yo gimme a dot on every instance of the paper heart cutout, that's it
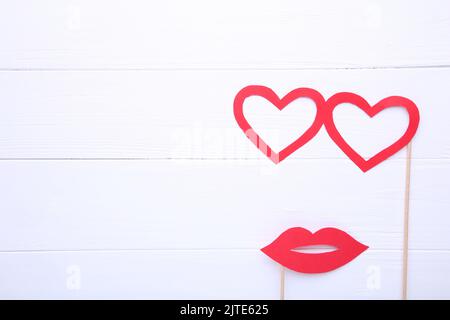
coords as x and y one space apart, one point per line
272 97
360 102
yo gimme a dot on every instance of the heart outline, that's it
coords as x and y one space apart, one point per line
272 97
371 111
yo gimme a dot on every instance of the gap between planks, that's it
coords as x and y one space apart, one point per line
175 69
185 250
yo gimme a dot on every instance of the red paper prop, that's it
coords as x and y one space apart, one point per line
324 115
389 102
282 250
268 94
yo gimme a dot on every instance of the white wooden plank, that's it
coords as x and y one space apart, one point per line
428 274
188 114
377 275
219 274
73 205
204 33
372 275
189 228
213 274
430 205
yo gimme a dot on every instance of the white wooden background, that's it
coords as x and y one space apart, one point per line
124 175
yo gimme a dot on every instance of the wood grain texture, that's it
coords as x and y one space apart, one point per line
224 34
189 114
210 274
120 157
213 274
194 204
429 274
373 275
430 205
65 205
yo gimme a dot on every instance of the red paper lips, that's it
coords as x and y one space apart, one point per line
324 115
282 250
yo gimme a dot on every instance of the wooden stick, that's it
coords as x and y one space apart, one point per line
282 277
406 224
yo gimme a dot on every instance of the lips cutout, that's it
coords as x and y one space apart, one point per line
324 115
271 96
282 249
